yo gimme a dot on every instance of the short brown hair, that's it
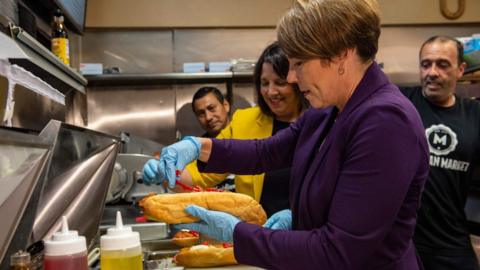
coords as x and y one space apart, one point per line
326 28
446 39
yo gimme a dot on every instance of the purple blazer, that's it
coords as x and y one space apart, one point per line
355 187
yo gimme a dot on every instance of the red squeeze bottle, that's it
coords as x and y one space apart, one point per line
66 250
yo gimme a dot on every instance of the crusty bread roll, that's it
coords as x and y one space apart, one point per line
169 208
186 242
186 238
205 256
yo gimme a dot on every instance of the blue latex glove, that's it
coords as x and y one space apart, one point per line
217 225
281 220
174 157
150 172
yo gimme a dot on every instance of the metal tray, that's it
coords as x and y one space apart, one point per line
149 231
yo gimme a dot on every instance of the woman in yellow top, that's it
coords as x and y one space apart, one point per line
279 104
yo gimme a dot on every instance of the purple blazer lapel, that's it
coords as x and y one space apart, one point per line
307 150
324 137
373 79
371 82
318 156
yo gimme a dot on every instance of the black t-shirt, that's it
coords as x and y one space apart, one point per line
276 183
453 135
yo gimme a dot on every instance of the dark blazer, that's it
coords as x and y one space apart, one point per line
357 177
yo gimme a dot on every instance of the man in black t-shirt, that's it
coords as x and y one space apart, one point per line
452 126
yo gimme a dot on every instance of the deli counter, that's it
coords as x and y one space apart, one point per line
84 175
62 171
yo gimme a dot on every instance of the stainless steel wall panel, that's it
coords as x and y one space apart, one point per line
131 51
75 42
244 95
207 45
146 111
166 50
34 111
76 109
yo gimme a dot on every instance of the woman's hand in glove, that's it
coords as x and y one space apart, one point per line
174 157
281 220
215 224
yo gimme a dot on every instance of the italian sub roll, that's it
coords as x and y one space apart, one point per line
169 208
206 256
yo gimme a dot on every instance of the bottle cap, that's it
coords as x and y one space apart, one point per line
57 13
119 237
65 242
20 258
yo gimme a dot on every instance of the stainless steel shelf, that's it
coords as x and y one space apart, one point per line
474 69
44 64
168 78
473 76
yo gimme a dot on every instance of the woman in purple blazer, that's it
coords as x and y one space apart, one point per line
359 158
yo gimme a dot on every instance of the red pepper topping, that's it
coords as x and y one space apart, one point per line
213 190
227 245
141 219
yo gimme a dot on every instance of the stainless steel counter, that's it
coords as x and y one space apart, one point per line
157 249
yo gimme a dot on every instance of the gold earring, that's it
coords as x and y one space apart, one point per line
341 70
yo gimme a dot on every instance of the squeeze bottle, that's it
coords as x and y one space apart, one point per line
120 248
66 250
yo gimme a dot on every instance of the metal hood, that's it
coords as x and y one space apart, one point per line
77 180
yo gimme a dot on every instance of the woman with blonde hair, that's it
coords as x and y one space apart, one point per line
359 157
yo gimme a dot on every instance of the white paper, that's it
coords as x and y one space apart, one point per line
17 75
10 48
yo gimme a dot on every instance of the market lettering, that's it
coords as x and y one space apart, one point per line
448 163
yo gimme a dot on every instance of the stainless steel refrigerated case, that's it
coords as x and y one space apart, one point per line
63 171
76 184
23 159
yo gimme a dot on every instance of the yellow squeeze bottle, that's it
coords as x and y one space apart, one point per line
120 248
